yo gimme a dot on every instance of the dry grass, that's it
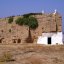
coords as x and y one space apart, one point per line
35 54
6 57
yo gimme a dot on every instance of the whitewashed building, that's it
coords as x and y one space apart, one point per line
50 37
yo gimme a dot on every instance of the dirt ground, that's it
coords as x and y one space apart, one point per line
34 54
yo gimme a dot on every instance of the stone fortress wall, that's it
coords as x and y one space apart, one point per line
12 33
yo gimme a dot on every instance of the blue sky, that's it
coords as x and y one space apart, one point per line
18 7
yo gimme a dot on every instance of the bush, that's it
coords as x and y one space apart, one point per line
19 21
10 20
6 57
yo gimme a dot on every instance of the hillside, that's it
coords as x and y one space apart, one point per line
10 31
34 54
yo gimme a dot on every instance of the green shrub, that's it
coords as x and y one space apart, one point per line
19 21
10 20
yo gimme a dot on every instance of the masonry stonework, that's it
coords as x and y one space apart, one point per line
13 33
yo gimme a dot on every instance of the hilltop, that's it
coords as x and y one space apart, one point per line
10 32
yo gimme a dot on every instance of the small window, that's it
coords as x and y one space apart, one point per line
19 41
0 40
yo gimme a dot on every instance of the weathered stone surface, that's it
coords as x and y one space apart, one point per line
47 23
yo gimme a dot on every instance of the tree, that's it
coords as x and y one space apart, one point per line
31 22
10 20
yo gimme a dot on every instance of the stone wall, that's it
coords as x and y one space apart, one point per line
10 33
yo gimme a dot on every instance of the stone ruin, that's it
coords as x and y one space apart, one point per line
13 33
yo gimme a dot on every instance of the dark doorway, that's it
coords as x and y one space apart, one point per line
19 41
49 40
0 40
